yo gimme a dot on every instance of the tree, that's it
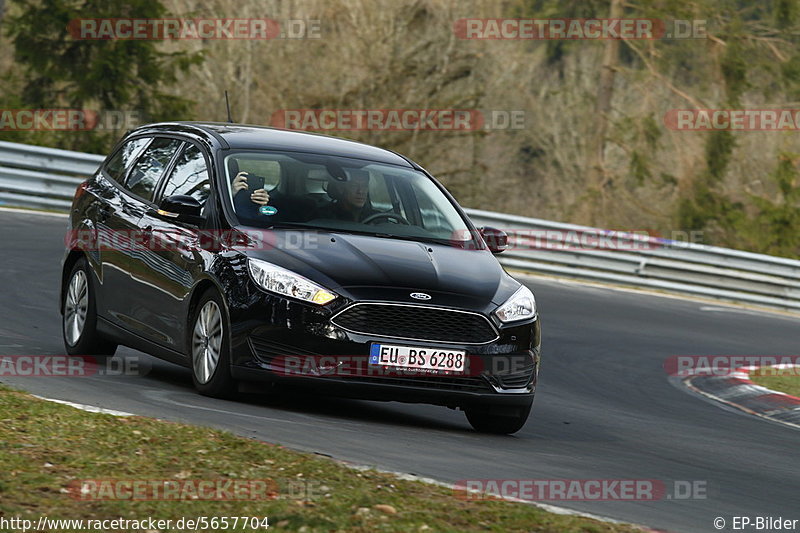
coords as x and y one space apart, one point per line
59 71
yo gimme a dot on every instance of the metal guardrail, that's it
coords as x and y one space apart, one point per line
544 246
32 176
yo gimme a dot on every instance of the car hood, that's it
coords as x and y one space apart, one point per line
376 268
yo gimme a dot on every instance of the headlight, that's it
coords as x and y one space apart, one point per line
285 282
520 306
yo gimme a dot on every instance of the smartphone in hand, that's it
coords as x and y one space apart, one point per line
254 182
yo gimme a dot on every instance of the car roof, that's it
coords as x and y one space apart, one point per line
225 135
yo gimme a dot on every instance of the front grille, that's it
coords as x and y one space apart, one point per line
416 322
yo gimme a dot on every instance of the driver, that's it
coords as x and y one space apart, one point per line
350 199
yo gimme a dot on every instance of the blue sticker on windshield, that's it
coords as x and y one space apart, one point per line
267 210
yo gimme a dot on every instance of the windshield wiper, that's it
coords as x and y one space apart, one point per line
431 240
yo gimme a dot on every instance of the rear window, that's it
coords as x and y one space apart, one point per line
122 160
149 168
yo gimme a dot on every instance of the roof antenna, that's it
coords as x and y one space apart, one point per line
228 106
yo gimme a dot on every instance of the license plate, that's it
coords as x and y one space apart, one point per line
416 358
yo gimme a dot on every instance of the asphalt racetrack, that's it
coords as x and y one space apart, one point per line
605 408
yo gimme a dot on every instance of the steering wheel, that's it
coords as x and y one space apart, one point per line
388 216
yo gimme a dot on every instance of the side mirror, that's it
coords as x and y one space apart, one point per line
182 208
496 239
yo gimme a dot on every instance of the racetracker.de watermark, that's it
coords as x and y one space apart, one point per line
222 489
67 120
181 239
572 239
585 239
580 489
728 365
392 361
70 366
733 119
578 29
157 29
398 119
176 239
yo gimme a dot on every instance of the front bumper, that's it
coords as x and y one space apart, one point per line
272 335
377 390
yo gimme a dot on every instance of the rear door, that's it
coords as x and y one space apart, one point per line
125 257
113 216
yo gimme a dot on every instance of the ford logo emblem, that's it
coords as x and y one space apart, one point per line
420 296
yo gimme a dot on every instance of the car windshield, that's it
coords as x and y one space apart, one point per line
340 194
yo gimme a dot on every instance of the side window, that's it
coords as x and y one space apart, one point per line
190 176
392 194
148 169
379 192
124 157
437 216
431 216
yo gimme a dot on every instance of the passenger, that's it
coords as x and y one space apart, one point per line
247 206
258 196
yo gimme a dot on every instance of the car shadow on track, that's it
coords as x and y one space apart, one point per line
308 403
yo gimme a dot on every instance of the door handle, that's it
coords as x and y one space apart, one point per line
147 235
130 210
103 212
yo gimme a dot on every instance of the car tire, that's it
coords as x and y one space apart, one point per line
498 421
209 347
79 315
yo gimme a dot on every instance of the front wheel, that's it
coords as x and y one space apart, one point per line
210 348
502 421
79 315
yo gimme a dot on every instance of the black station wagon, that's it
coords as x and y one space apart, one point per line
297 261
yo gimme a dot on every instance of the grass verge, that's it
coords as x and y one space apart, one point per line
46 447
778 379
